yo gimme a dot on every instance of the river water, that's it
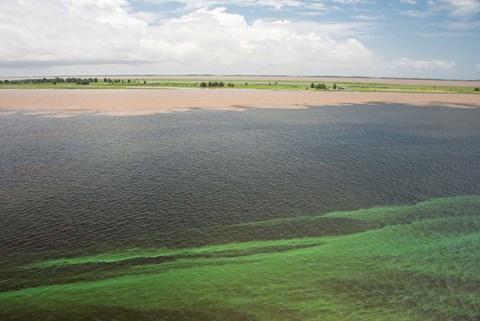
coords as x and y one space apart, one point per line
73 183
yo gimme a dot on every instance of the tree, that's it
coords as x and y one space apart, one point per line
334 86
312 85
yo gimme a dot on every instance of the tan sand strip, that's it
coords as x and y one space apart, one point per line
147 102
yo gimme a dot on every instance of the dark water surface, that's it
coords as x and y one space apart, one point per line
74 182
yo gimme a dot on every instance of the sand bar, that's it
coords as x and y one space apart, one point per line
149 101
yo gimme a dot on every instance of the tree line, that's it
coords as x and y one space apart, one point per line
68 80
210 84
318 86
56 80
321 86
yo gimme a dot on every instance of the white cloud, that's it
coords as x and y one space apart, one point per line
317 6
107 36
350 1
463 25
420 65
87 32
416 14
369 17
457 8
311 5
477 66
197 4
148 17
72 31
442 34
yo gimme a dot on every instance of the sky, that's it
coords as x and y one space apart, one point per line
396 38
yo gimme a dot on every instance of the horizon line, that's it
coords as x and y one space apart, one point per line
237 75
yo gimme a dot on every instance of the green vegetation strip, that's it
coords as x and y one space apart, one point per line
416 262
231 249
138 83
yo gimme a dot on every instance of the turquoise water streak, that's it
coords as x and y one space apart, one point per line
316 214
399 268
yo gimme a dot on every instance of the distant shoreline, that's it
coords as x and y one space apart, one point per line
373 80
328 79
128 102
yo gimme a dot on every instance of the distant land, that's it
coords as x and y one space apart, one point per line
364 79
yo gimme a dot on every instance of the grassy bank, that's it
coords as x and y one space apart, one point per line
248 84
416 262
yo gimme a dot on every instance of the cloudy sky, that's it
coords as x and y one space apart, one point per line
395 38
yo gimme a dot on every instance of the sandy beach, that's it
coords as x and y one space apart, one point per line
124 102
